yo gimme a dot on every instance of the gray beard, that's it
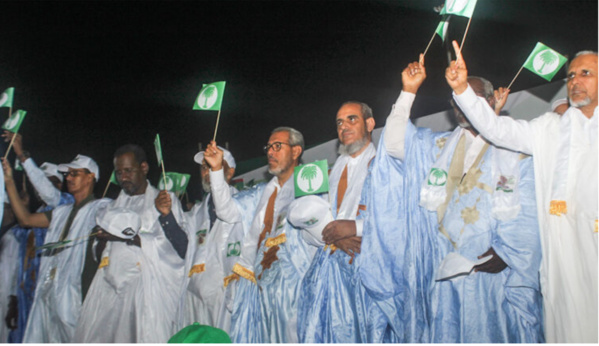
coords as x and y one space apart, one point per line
582 103
353 148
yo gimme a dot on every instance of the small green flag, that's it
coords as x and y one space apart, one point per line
442 27
6 97
158 149
210 97
113 179
462 8
544 61
18 166
311 178
182 183
13 123
171 182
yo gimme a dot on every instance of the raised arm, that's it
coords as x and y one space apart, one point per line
26 219
504 132
44 187
224 206
412 77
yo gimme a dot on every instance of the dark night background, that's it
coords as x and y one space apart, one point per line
95 75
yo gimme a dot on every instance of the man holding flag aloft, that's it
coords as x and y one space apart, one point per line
565 157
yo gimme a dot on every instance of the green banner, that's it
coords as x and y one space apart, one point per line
210 97
544 61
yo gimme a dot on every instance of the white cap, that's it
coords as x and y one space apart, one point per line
120 222
227 156
51 170
311 213
81 161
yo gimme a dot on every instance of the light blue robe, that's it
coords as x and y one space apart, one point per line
482 307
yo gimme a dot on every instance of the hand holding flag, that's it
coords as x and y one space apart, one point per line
456 73
543 61
211 99
413 76
12 124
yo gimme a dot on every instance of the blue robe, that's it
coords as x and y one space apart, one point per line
28 269
482 307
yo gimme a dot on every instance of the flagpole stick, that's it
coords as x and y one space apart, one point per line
463 39
25 182
106 188
216 127
517 74
10 145
429 44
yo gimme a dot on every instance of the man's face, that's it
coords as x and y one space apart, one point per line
130 174
280 161
79 180
352 128
205 174
582 81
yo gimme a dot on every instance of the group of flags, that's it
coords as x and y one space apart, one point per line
543 61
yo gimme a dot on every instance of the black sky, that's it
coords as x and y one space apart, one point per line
96 75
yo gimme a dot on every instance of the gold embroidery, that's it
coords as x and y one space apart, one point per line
233 277
197 269
105 262
280 239
470 215
558 208
244 272
596 226
440 142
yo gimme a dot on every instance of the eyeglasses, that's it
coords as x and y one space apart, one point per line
276 146
74 173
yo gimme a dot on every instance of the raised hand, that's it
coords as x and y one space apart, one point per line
456 73
500 99
214 156
413 76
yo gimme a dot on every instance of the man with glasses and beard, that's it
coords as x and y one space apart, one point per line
58 295
274 256
335 292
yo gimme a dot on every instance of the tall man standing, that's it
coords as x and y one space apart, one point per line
564 150
58 295
335 292
149 314
274 257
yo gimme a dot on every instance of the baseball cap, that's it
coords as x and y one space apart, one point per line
120 222
227 156
51 170
81 161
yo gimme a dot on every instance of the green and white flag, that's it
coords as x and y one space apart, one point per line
311 178
158 149
442 27
13 123
6 97
175 182
18 166
462 8
544 61
210 97
113 179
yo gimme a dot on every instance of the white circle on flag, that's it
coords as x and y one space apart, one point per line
208 97
183 180
545 62
3 99
169 184
13 121
456 5
310 178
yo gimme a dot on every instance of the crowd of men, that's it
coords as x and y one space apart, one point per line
485 234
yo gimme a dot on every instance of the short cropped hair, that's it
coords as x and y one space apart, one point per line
366 110
138 152
487 86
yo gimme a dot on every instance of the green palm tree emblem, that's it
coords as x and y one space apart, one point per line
548 58
437 177
207 94
309 173
234 249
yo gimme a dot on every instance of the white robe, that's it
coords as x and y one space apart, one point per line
569 265
9 265
134 297
57 302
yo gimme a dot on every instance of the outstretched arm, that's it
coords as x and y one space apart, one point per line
504 132
412 77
